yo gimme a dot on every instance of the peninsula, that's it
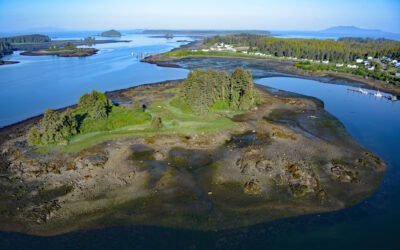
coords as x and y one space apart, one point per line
213 151
375 62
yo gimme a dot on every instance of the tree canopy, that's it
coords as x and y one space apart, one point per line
203 88
343 50
26 39
95 104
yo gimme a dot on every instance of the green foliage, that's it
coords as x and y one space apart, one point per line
5 48
156 123
54 128
118 117
95 104
34 136
220 105
377 74
241 91
343 50
182 105
26 39
203 88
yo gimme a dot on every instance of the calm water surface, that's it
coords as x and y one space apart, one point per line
38 83
42 82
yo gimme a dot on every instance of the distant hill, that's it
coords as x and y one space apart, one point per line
354 31
111 33
35 38
207 32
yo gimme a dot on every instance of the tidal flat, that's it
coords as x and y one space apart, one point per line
285 158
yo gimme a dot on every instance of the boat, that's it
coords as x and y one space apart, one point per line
364 92
378 94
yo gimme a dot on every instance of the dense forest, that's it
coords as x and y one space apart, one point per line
343 50
5 49
205 88
26 39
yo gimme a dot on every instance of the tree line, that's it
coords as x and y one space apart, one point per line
59 127
343 50
5 48
26 39
203 88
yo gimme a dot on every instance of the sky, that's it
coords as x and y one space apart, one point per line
304 15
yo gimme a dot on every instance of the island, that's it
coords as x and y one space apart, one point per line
213 151
36 45
111 33
67 50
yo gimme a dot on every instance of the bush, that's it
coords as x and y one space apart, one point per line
156 123
34 136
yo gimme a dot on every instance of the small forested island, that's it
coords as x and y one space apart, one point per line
213 151
373 61
66 50
111 33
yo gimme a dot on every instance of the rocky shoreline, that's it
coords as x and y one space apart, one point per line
286 158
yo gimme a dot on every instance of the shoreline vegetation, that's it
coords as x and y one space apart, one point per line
160 154
40 45
201 49
67 50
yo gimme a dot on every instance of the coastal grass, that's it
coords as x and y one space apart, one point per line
177 118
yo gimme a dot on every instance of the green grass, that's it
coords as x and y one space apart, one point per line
118 118
176 115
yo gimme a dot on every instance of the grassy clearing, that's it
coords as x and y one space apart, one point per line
177 117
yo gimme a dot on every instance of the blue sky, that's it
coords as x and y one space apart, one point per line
16 15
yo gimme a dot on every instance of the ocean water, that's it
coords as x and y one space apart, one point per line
41 82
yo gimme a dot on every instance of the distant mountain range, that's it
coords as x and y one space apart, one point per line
359 32
339 31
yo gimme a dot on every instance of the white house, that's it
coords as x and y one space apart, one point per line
359 60
394 61
370 58
325 61
339 65
352 66
371 68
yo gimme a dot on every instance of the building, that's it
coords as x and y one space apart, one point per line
370 58
339 65
371 68
359 60
352 66
325 61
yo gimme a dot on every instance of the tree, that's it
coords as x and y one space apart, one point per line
34 136
203 88
95 104
54 128
242 96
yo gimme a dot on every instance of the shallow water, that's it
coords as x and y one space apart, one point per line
373 122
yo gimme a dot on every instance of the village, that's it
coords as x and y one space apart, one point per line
370 63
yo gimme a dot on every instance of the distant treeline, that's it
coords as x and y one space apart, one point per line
344 50
207 32
26 39
5 48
